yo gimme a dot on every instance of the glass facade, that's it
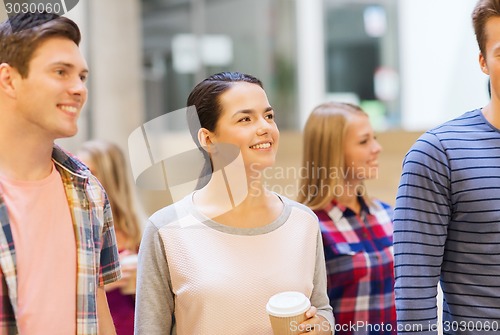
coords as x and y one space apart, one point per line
185 41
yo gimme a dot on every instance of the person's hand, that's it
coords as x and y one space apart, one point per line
315 324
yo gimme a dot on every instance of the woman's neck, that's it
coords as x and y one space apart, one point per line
349 196
242 205
233 188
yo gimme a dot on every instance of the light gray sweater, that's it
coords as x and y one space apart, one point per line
196 276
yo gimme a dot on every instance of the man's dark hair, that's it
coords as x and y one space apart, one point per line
22 34
484 10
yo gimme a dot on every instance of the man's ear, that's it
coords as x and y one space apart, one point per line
8 74
483 64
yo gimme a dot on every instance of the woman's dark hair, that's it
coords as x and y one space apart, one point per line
207 109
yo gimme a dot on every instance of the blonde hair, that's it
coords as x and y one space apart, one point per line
323 159
108 164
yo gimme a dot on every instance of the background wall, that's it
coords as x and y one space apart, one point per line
440 74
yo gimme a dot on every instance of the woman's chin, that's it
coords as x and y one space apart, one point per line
259 166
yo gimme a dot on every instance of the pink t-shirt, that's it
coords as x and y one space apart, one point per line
45 253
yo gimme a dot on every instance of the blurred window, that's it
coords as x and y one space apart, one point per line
362 57
187 40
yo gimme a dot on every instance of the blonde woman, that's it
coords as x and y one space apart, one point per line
340 153
107 162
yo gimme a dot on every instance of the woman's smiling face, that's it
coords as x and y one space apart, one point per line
247 121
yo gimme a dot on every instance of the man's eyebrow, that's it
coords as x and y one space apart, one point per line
496 48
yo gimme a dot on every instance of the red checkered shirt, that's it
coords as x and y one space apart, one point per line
359 265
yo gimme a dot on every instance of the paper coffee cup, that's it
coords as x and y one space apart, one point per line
287 311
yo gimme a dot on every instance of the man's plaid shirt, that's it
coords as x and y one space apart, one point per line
97 255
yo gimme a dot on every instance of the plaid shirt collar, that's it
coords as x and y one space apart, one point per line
67 162
346 211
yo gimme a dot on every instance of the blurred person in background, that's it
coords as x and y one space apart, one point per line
447 217
107 162
340 153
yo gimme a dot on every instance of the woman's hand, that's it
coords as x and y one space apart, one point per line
315 324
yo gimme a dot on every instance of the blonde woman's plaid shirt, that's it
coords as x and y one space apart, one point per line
97 254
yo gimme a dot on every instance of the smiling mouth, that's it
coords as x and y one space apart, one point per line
69 109
261 146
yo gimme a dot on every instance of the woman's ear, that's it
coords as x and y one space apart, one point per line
205 139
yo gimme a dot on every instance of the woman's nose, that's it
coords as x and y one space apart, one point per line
377 147
263 126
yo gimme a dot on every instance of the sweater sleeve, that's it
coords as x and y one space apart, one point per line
154 308
421 219
319 296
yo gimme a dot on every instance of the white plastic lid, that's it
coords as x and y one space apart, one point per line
287 304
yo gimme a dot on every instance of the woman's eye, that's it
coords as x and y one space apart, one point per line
245 119
270 116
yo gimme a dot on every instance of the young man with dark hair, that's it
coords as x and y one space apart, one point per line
447 215
57 242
